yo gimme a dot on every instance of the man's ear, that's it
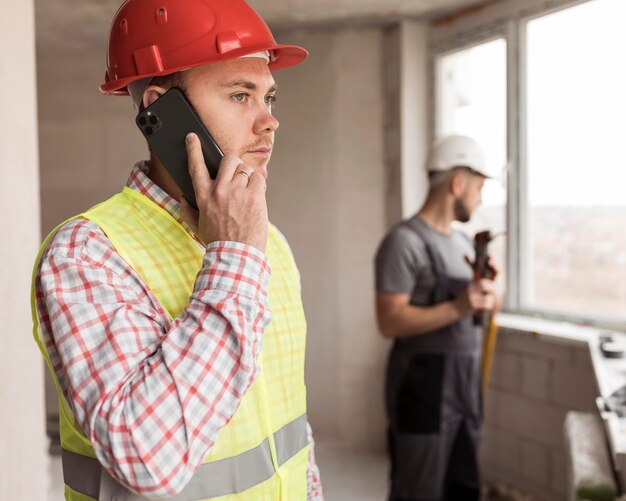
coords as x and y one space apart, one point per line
151 94
457 183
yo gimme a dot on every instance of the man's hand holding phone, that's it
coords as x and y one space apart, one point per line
230 207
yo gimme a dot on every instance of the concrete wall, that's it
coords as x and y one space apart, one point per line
405 70
326 193
88 141
392 125
535 381
23 451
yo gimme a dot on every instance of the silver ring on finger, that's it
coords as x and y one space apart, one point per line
244 173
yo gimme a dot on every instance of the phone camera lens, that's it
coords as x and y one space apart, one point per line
153 120
142 121
149 130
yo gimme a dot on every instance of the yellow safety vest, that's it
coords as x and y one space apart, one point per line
262 453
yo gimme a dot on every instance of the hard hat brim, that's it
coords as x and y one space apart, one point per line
283 56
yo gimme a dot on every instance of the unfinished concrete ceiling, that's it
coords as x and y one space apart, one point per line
66 25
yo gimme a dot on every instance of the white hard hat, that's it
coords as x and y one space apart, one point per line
448 152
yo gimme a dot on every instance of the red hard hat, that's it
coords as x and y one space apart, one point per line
157 37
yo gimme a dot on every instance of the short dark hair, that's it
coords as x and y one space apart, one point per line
167 81
436 178
170 80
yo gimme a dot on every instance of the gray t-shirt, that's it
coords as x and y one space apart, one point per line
404 266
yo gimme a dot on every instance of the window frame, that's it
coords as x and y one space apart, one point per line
508 22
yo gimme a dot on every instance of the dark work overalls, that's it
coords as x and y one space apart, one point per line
434 403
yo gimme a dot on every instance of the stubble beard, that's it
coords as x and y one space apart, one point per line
461 213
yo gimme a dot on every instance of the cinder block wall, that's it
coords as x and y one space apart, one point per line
535 381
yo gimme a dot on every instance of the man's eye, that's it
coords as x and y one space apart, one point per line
271 99
241 97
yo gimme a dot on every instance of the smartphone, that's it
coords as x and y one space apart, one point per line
165 124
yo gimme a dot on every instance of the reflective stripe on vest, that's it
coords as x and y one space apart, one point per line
227 476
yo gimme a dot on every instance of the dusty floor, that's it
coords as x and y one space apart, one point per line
500 492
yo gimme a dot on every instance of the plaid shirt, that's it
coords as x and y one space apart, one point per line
141 386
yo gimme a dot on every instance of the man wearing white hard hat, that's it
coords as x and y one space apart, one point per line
154 317
425 301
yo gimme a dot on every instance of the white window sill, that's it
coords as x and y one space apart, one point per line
549 330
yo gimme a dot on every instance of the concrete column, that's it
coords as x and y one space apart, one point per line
414 136
23 451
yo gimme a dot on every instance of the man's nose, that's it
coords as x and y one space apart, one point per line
266 122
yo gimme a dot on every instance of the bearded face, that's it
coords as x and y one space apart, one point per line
461 212
470 197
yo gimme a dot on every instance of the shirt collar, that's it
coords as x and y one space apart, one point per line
140 182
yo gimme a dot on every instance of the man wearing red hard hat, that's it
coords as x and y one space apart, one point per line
177 351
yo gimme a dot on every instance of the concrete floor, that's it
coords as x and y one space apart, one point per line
346 475
349 475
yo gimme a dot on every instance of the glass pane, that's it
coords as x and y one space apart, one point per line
576 106
471 100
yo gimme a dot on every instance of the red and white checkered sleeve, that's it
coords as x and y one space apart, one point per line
313 480
150 393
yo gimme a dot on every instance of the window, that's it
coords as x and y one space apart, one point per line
471 100
566 206
575 129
